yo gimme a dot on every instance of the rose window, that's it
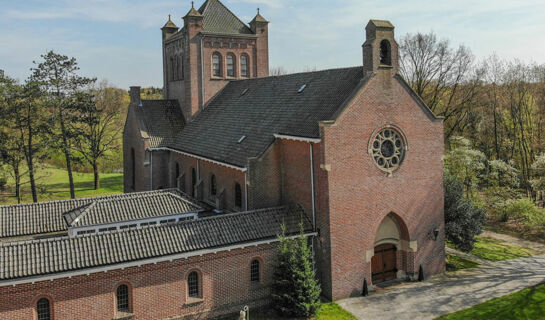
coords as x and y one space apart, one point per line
388 149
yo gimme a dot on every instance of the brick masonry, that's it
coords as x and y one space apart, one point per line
157 291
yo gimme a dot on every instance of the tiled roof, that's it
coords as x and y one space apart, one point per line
161 120
218 19
47 256
258 108
47 217
149 205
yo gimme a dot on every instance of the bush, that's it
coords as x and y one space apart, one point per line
523 211
295 290
3 183
463 220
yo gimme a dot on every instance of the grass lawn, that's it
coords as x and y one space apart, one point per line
525 304
53 185
327 311
496 250
455 263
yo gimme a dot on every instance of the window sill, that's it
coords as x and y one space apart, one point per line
123 316
193 301
385 66
217 78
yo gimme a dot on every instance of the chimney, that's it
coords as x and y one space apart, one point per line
135 96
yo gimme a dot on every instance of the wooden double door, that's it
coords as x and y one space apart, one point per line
383 263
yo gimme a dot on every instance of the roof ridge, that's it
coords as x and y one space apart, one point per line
295 73
158 226
83 199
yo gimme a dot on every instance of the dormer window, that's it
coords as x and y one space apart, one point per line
385 53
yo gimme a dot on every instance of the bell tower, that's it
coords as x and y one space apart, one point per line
380 50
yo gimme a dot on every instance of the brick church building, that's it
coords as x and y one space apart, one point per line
214 169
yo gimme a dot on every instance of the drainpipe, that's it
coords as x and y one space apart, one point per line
150 170
202 73
312 186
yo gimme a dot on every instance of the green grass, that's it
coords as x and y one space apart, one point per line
455 263
327 311
53 185
525 304
496 250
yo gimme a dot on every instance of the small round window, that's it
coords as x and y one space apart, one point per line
388 149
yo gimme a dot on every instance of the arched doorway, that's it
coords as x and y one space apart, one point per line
384 264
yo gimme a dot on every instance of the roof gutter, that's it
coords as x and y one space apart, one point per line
297 138
140 263
243 169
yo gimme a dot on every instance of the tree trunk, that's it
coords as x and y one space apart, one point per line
31 177
95 172
17 182
67 156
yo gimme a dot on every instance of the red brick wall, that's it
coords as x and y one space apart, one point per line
158 290
265 178
133 139
361 195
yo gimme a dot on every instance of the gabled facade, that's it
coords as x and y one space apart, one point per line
353 153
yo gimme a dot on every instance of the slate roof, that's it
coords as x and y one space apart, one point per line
47 256
159 120
149 205
217 18
47 217
260 107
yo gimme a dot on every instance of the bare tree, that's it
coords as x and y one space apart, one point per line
278 71
445 78
100 131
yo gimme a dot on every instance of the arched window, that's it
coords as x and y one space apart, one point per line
193 181
43 309
244 65
238 196
133 169
213 186
254 271
385 53
230 65
193 285
122 295
216 65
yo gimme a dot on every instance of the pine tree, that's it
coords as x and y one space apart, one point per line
296 291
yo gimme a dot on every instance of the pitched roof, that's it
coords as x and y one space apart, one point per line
47 256
47 217
149 205
381 23
169 24
260 107
217 18
159 120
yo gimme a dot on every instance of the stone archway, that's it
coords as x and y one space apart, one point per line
392 251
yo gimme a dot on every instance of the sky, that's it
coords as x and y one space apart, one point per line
120 40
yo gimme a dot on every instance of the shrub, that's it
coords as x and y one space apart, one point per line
296 291
521 210
463 220
3 183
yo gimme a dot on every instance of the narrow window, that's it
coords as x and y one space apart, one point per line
385 53
133 169
238 196
123 298
193 284
43 309
230 65
216 65
176 175
254 271
244 65
193 181
213 187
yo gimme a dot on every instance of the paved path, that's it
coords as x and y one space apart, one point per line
449 292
